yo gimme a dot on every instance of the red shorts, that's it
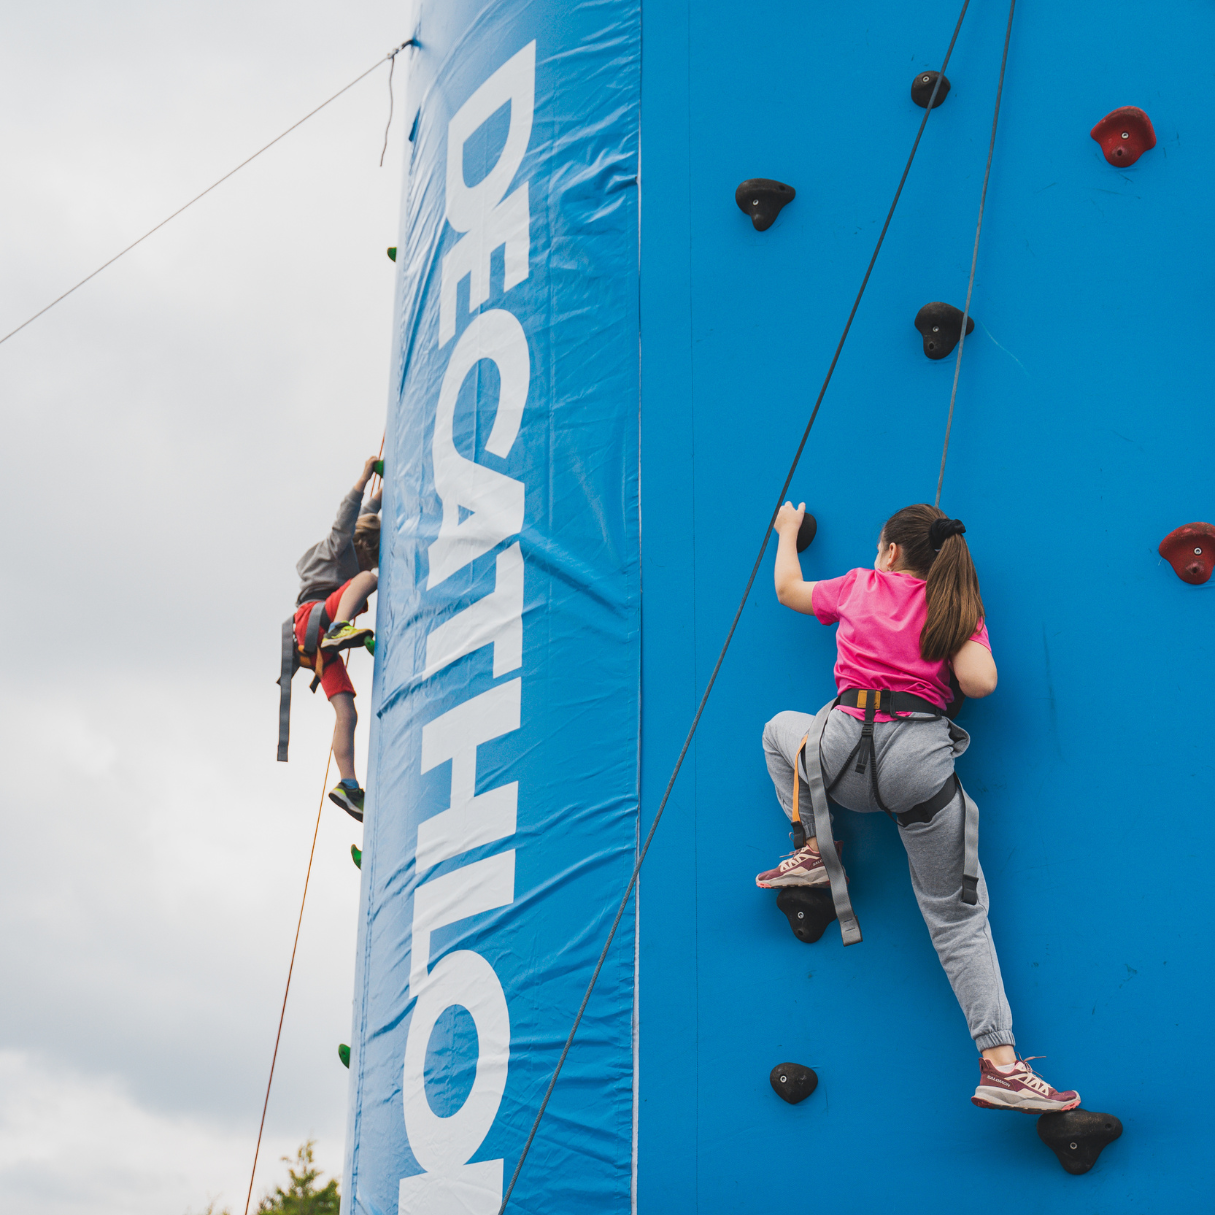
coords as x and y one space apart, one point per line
334 678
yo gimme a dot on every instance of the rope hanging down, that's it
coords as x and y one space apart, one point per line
733 624
390 58
974 259
287 990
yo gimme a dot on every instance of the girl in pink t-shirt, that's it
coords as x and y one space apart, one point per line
887 744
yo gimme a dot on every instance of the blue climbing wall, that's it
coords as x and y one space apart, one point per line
1082 436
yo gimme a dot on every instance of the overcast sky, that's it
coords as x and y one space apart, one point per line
175 434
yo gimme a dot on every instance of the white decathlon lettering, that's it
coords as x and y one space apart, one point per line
495 619
471 819
451 897
507 224
495 500
442 1145
481 508
514 83
471 1189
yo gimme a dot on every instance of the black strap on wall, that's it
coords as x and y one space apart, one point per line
284 684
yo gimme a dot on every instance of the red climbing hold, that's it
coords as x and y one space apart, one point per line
1124 135
1190 550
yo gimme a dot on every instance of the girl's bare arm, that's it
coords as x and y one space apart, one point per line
791 588
975 670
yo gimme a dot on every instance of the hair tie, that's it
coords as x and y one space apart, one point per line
941 529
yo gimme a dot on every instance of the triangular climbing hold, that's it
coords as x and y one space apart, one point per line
1124 135
940 325
762 199
793 1082
356 855
344 1054
1190 550
922 86
392 253
809 909
1078 1136
807 532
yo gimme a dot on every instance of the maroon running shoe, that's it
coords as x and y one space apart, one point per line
801 868
1019 1088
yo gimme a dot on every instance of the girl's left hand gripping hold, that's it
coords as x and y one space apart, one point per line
791 588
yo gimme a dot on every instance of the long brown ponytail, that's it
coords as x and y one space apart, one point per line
940 556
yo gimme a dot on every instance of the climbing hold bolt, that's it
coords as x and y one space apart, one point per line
809 909
392 253
793 1082
1124 135
1078 1136
344 1054
941 327
921 89
807 532
356 855
1190 550
762 199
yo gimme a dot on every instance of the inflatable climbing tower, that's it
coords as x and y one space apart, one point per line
603 364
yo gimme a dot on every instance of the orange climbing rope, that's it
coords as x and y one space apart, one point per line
286 991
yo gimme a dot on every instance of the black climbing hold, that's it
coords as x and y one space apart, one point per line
809 909
344 1054
921 89
356 855
941 327
807 532
392 253
793 1082
762 199
1078 1136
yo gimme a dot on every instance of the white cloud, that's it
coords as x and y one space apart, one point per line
175 434
71 1143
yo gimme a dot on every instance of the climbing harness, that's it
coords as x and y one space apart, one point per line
700 708
903 707
295 656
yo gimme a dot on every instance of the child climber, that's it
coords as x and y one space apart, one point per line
338 572
903 626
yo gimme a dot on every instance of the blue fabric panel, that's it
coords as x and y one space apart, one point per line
502 788
1081 438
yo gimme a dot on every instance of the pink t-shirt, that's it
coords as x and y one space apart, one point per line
878 643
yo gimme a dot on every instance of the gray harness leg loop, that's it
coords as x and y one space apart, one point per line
284 684
812 762
970 861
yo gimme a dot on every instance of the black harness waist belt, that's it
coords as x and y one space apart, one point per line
884 701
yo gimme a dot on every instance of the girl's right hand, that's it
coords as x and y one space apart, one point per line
789 518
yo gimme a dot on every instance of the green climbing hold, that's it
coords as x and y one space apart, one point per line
356 855
379 468
344 1054
369 642
392 253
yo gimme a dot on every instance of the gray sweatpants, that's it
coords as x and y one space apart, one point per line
914 760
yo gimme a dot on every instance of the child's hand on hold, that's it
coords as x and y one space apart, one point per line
789 518
368 469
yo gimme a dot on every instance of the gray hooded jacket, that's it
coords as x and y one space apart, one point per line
332 561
